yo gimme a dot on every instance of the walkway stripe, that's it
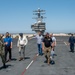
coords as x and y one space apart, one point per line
29 64
65 43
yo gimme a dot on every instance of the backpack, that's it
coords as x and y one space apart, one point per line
52 62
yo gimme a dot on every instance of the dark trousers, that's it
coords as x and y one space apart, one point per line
72 47
40 49
7 49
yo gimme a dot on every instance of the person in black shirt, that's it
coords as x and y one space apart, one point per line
46 47
71 42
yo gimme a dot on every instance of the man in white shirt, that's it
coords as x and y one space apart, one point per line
53 43
53 39
22 42
39 38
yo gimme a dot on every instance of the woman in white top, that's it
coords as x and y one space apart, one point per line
53 44
22 42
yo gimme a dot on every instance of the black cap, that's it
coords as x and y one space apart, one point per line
20 34
47 33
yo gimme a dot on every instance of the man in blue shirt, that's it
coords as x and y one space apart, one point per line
8 46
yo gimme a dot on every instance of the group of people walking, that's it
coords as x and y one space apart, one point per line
6 46
45 43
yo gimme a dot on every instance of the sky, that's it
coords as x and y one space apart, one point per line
16 15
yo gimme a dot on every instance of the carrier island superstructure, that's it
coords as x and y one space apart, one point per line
39 25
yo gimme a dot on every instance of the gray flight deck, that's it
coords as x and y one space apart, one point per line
64 60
